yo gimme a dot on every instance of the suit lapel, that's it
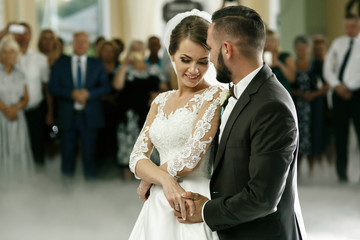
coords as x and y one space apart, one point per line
243 101
239 106
88 69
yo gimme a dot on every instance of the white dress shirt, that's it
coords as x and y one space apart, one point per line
239 88
74 67
36 69
334 59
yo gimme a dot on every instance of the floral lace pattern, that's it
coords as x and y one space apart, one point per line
183 136
139 151
196 145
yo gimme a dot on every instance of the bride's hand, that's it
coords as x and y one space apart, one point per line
173 191
144 190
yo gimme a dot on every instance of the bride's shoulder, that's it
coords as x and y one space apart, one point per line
162 97
214 91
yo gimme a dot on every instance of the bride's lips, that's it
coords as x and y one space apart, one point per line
192 77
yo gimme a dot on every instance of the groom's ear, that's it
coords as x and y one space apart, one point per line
227 50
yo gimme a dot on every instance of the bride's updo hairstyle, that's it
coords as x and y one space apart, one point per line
192 27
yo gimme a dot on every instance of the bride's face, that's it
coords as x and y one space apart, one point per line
191 63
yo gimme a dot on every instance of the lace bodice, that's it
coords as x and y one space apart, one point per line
182 136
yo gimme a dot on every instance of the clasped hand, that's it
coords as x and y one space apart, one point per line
11 113
187 205
343 91
80 95
194 205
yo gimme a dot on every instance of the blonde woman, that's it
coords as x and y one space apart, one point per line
49 45
15 152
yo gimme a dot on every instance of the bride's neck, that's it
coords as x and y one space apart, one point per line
185 91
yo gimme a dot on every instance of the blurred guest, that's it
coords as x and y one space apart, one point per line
36 69
322 119
135 78
154 46
301 92
98 41
107 144
49 45
120 47
169 71
15 151
155 61
305 92
62 51
281 63
79 82
342 72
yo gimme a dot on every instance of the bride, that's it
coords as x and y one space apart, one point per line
181 125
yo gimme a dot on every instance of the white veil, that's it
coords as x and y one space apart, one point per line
210 75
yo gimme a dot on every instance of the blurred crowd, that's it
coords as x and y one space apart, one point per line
93 107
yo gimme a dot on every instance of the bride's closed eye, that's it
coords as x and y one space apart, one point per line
184 60
203 62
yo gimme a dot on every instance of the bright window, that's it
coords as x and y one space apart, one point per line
65 17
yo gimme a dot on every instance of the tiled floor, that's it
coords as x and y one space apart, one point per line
49 208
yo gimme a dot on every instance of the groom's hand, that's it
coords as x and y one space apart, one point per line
194 208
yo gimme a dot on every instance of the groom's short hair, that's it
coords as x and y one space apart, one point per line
244 24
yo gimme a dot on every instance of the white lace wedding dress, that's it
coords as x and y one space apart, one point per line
181 137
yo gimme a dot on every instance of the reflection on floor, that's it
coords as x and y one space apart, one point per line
51 208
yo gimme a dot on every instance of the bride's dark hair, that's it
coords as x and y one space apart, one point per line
192 27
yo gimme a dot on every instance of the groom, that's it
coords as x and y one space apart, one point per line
253 186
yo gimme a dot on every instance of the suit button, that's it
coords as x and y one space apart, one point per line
215 192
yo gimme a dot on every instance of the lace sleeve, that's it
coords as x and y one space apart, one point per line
143 145
204 130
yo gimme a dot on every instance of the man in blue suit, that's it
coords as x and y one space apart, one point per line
78 82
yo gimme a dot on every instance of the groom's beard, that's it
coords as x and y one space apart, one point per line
223 73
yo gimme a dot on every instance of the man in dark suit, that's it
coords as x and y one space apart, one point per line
78 82
253 186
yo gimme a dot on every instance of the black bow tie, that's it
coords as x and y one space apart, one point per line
231 88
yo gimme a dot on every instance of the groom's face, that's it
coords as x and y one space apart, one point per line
223 74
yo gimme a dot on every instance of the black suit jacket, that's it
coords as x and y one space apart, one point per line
254 186
62 84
